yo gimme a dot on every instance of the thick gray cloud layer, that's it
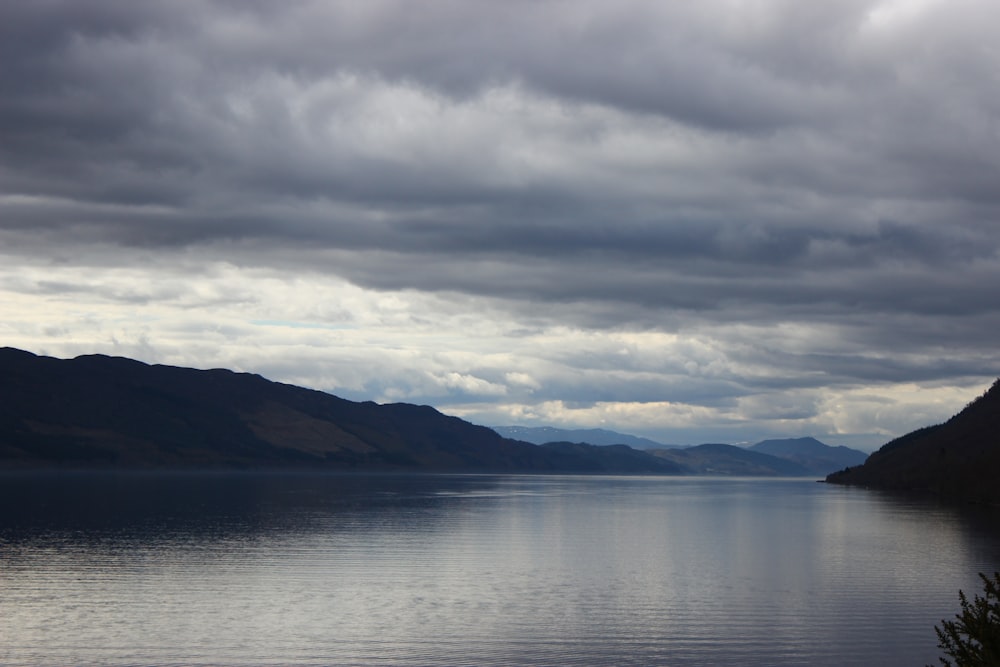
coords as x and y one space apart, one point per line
806 195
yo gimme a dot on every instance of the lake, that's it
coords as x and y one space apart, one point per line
326 569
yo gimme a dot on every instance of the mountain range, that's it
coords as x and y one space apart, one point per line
789 456
592 436
959 459
816 457
97 411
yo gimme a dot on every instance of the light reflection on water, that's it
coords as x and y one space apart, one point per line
253 569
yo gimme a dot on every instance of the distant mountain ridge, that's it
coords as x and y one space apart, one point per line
722 459
540 435
807 455
814 456
959 459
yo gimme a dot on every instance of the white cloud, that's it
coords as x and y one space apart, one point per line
707 221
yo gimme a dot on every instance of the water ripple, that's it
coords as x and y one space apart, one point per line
254 570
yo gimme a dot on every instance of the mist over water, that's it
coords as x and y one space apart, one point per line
314 569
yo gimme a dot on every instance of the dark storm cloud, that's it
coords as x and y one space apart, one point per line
652 165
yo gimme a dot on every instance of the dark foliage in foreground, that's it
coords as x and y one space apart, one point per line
973 638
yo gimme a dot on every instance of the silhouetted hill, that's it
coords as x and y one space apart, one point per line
591 436
957 459
816 457
100 411
719 459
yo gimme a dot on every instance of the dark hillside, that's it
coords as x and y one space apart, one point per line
957 459
99 411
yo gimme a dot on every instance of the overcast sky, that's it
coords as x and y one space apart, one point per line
712 221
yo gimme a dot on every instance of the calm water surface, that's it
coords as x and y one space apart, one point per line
300 569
